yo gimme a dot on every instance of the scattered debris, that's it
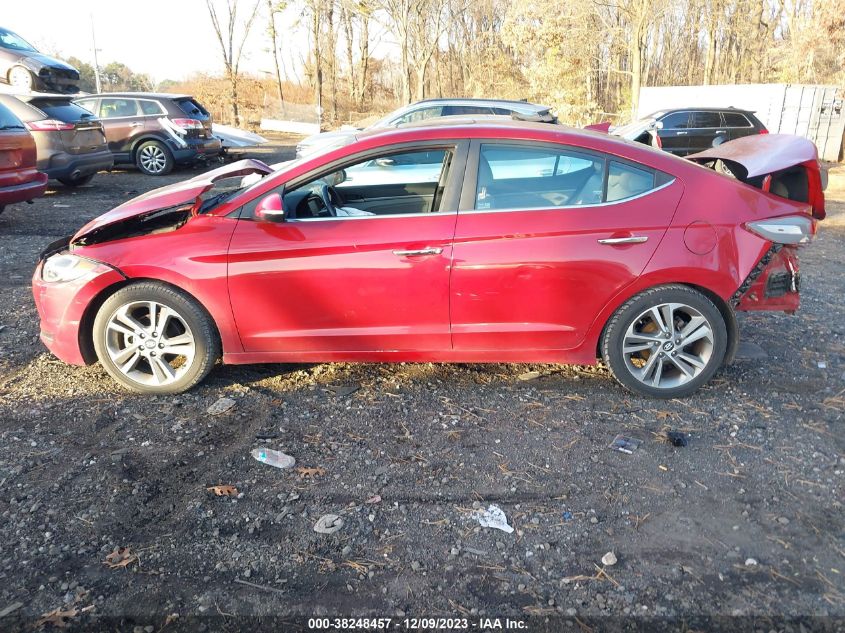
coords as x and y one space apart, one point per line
328 524
270 457
472 550
223 491
678 439
61 206
374 499
665 469
751 562
304 472
609 559
493 517
750 351
120 557
59 618
10 609
822 364
624 444
567 516
221 406
266 435
529 375
343 391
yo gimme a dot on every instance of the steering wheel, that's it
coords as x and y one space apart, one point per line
326 196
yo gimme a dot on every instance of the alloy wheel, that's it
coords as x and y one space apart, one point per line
152 159
150 343
668 345
20 78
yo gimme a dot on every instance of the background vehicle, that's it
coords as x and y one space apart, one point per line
20 181
154 131
534 244
689 130
70 141
430 109
22 66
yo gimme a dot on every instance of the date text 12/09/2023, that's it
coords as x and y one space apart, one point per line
413 624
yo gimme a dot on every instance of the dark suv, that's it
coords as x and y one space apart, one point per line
154 131
70 140
688 130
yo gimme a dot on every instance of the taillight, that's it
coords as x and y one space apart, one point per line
764 131
790 229
187 124
49 125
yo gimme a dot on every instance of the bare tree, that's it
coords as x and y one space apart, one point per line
275 7
232 43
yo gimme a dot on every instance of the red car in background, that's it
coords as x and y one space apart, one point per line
531 243
20 181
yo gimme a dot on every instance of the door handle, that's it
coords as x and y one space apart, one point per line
680 133
634 239
136 124
721 131
432 250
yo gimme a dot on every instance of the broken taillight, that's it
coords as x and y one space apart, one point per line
790 229
187 124
49 125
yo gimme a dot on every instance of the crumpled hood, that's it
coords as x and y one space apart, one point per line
762 154
37 60
178 194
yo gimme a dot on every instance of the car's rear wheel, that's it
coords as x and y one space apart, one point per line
153 158
665 342
20 77
78 181
154 339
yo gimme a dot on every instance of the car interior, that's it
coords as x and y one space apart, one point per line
387 185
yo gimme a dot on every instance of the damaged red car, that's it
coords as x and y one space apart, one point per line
482 242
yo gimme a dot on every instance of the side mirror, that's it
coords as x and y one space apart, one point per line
385 162
655 125
270 208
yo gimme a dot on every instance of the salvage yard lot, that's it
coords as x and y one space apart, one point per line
746 519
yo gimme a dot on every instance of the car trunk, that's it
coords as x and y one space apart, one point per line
780 164
193 109
85 135
17 155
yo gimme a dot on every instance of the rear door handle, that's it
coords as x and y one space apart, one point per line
634 239
431 250
680 133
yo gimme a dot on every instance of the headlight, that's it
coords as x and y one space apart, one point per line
64 267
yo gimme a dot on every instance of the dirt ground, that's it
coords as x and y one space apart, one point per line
740 529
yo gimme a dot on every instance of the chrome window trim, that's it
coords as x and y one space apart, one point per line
576 206
374 217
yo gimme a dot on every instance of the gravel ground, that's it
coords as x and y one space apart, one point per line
746 520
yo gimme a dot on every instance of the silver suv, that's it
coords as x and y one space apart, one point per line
430 109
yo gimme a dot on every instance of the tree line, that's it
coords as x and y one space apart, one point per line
587 58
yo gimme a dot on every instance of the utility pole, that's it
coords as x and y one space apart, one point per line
96 63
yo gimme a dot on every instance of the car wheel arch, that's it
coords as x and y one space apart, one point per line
86 324
727 312
136 143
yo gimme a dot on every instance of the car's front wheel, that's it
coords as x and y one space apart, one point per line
154 339
665 342
20 77
153 158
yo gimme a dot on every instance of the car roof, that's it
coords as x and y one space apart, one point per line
706 109
141 95
511 103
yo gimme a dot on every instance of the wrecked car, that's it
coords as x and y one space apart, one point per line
596 248
25 68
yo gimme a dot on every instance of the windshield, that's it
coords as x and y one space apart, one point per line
15 42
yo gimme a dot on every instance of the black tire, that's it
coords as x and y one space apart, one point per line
78 181
154 158
200 327
630 315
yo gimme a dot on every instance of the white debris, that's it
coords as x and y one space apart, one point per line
493 517
751 562
609 559
328 524
273 458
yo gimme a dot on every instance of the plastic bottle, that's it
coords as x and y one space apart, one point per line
273 458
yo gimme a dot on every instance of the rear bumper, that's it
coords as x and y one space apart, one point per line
64 165
62 308
197 150
774 284
24 191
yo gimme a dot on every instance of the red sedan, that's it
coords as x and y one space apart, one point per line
525 243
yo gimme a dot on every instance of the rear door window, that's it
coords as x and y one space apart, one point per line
735 119
626 181
62 110
705 120
150 108
466 110
113 108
